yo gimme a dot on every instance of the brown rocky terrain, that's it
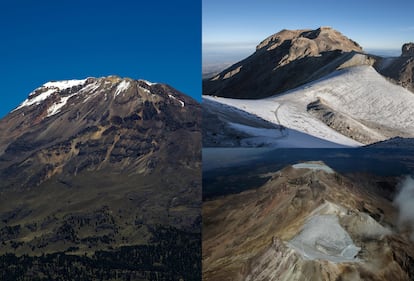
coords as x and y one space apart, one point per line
261 234
283 61
99 164
291 58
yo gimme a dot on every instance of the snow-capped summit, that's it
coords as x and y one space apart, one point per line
54 96
120 115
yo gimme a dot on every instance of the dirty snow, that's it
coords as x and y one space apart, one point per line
145 90
325 235
56 107
38 99
322 237
359 92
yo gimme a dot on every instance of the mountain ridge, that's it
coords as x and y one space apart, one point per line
102 166
291 58
314 82
283 61
263 232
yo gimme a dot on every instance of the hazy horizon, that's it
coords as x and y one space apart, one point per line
232 29
216 57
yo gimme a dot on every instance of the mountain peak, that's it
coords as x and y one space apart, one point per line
286 60
310 42
104 110
407 50
57 93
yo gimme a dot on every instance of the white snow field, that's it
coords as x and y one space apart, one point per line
357 92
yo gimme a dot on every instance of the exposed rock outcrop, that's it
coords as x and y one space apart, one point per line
284 61
399 69
407 50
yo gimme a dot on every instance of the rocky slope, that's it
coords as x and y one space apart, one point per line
399 69
308 222
284 61
95 164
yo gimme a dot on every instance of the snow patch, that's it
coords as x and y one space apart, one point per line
38 99
314 166
174 98
325 234
49 89
148 82
56 107
322 237
61 85
124 85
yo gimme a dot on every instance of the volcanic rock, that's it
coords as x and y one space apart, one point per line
284 61
407 50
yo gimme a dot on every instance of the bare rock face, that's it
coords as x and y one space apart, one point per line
407 50
284 61
400 69
304 43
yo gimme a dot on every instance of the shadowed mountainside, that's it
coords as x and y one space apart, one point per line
283 61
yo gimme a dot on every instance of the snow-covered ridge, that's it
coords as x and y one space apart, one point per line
91 85
48 89
326 233
357 92
65 84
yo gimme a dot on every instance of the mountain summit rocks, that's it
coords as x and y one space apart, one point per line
306 43
407 49
284 61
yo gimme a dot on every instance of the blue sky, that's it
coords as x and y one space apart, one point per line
156 40
235 26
